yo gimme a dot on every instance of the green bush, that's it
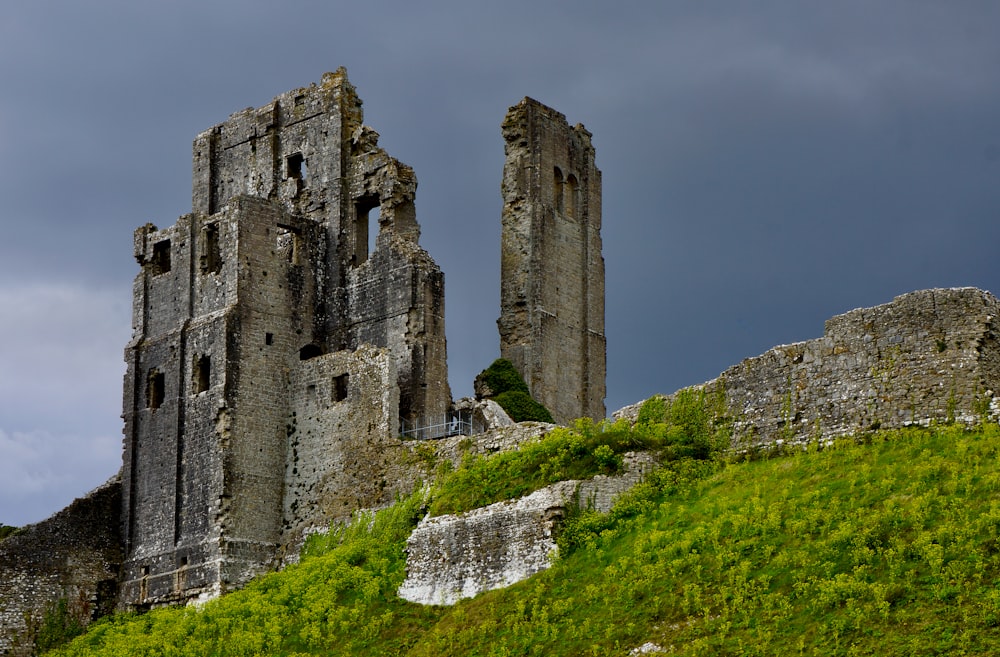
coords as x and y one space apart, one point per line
653 410
502 377
522 408
7 530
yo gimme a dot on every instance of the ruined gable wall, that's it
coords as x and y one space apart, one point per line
74 556
552 271
928 356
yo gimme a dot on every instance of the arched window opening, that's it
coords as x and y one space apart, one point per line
557 190
366 228
572 202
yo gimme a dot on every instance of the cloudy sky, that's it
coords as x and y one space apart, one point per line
766 165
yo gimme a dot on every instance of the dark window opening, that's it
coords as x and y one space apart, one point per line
310 351
366 228
202 374
183 562
211 260
160 262
269 339
145 571
154 389
296 169
340 387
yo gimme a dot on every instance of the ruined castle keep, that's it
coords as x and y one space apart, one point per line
552 271
270 324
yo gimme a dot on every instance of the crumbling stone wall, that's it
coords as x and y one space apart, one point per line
552 271
928 356
273 268
342 439
72 556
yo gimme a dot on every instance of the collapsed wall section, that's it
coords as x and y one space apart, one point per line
552 271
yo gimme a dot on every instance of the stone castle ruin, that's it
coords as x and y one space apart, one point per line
290 325
265 321
552 271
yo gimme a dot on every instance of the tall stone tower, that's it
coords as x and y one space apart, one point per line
552 271
270 327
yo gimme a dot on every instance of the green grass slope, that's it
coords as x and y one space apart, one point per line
890 547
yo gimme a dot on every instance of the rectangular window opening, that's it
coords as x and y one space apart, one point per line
295 168
211 260
288 241
340 387
202 377
269 339
154 389
160 262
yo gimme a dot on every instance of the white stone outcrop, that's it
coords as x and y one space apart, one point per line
459 556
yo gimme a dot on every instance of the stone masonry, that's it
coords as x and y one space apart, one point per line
928 356
273 336
71 558
552 271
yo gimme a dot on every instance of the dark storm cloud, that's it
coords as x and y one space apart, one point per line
766 165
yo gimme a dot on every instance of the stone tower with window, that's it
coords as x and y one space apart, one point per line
273 330
552 271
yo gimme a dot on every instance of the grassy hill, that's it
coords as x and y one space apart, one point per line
888 545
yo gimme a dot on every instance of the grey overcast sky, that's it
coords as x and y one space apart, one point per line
766 165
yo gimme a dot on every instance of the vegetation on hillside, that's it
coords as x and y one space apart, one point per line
887 545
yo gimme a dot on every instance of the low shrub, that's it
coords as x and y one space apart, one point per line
521 407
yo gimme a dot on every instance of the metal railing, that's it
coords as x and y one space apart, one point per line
458 423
